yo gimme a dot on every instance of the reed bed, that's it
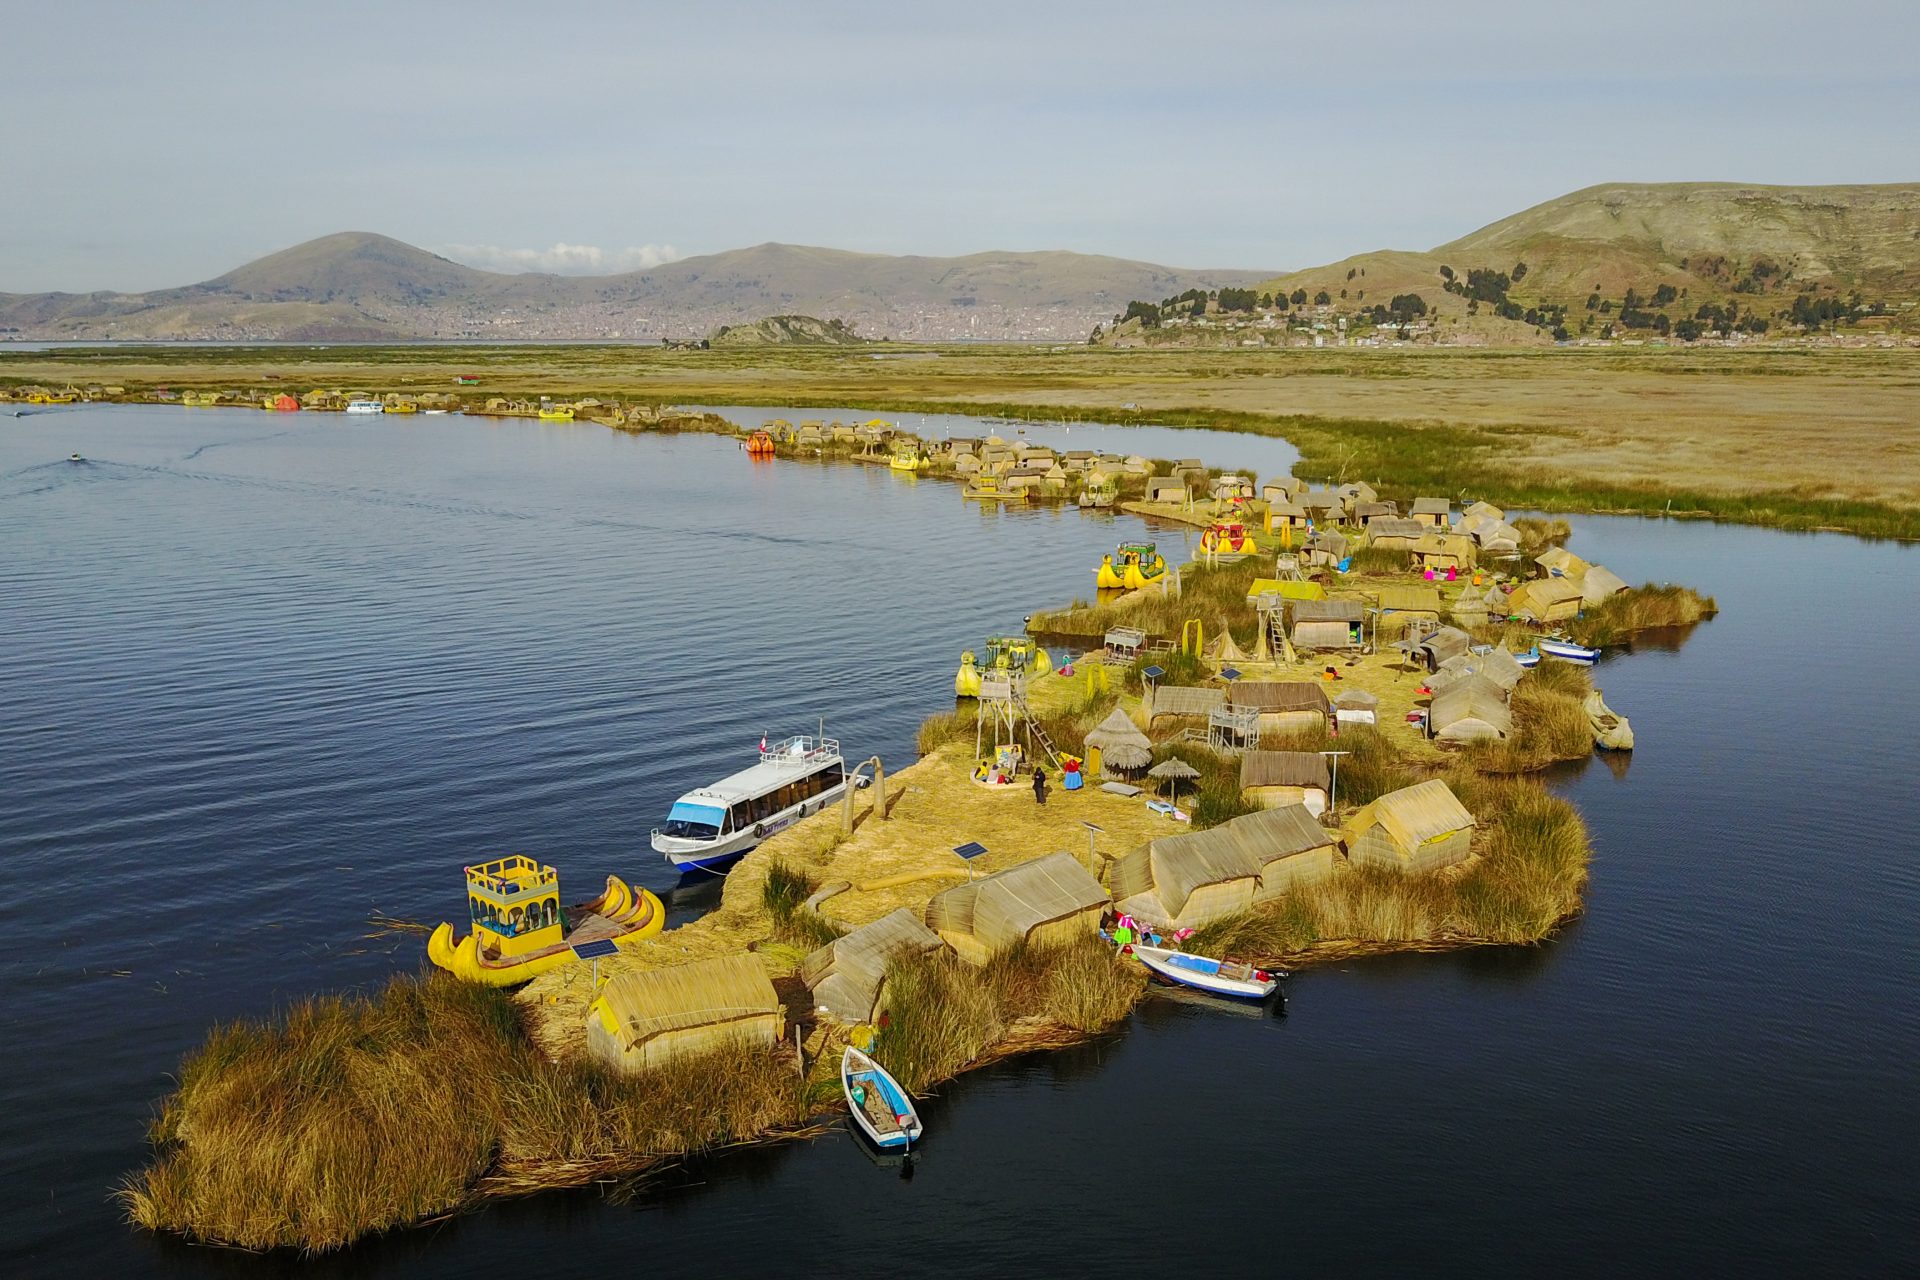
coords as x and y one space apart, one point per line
945 1016
350 1115
1645 608
1549 723
1525 880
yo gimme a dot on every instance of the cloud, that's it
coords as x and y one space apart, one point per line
563 259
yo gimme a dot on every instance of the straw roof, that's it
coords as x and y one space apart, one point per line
1117 730
1173 769
1394 527
1431 507
1005 907
1327 611
1172 867
1484 509
1412 815
1225 650
1283 769
1472 707
1536 597
650 1002
846 975
1561 562
1125 756
1446 643
1185 700
1410 599
1599 582
1357 700
1274 696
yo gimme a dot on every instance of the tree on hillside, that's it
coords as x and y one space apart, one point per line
1406 306
1593 301
1519 272
1484 284
1299 297
1664 295
1145 312
1351 272
1238 300
1446 272
1322 298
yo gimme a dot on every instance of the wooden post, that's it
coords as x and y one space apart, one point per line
880 787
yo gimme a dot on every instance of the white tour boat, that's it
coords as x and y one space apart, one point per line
714 825
365 406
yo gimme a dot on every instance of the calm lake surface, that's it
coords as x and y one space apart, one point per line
261 676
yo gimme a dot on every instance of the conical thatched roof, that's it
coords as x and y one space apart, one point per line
1125 757
1175 768
1225 650
1118 731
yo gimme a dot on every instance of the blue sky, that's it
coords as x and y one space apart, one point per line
150 144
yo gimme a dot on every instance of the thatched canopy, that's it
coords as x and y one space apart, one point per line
1356 700
1117 731
1175 769
1125 757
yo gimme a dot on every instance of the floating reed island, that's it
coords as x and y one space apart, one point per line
1314 742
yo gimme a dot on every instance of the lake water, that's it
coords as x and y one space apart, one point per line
265 675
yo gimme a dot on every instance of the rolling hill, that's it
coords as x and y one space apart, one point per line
357 285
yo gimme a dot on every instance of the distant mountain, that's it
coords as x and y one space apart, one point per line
357 285
1757 247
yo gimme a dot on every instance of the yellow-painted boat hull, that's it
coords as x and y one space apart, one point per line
638 909
556 415
1107 578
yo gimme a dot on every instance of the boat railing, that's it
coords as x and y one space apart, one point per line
801 748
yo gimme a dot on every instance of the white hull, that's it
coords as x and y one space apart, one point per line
702 854
1167 964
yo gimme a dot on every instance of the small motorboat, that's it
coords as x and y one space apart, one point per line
1217 977
1611 732
1530 659
1568 651
366 406
880 1107
1132 567
74 457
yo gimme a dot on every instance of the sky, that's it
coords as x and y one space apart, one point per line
152 144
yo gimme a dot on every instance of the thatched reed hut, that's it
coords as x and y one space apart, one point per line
1471 709
1183 881
1284 706
1356 706
1166 489
1354 492
1482 510
1437 550
1404 608
1286 515
1275 779
1117 746
641 1020
1546 600
1327 549
1328 624
1183 700
1558 562
1418 828
1393 533
1434 513
1280 489
1365 514
847 977
1046 902
1600 583
1436 647
1497 666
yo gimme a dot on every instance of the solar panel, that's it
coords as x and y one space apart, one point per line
598 949
1231 674
1153 673
971 849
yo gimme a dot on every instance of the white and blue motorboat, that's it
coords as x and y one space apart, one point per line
366 406
1203 973
710 827
879 1105
1568 651
1530 659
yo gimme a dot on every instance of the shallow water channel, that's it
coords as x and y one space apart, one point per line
263 676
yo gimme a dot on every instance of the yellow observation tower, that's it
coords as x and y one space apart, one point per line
514 903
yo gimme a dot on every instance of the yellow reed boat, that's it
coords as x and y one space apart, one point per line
908 456
989 489
557 412
1132 566
1015 655
1227 538
521 931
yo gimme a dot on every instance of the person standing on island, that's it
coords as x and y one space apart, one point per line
1039 786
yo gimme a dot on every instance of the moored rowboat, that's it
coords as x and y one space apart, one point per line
1611 732
880 1107
1218 977
1568 651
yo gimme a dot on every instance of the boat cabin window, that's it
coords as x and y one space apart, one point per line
694 821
